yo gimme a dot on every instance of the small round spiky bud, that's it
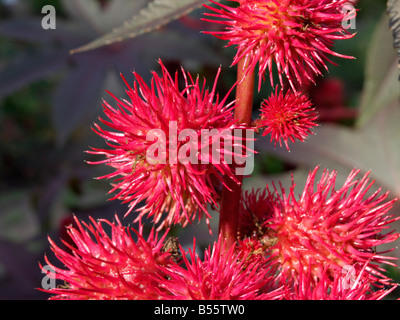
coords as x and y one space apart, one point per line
287 116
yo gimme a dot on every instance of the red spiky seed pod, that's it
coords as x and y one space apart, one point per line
326 229
220 275
100 266
151 144
294 35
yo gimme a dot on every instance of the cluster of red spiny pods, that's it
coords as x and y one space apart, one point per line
272 244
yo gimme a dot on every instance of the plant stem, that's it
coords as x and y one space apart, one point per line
229 213
244 94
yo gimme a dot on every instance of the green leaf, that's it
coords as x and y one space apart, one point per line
156 14
380 85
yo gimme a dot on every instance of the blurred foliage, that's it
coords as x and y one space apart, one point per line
394 24
49 100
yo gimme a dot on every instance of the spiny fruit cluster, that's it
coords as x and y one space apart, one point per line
318 245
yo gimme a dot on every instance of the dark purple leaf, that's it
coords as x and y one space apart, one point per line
22 273
30 29
77 94
27 29
29 68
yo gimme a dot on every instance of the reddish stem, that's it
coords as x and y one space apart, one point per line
229 213
244 94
